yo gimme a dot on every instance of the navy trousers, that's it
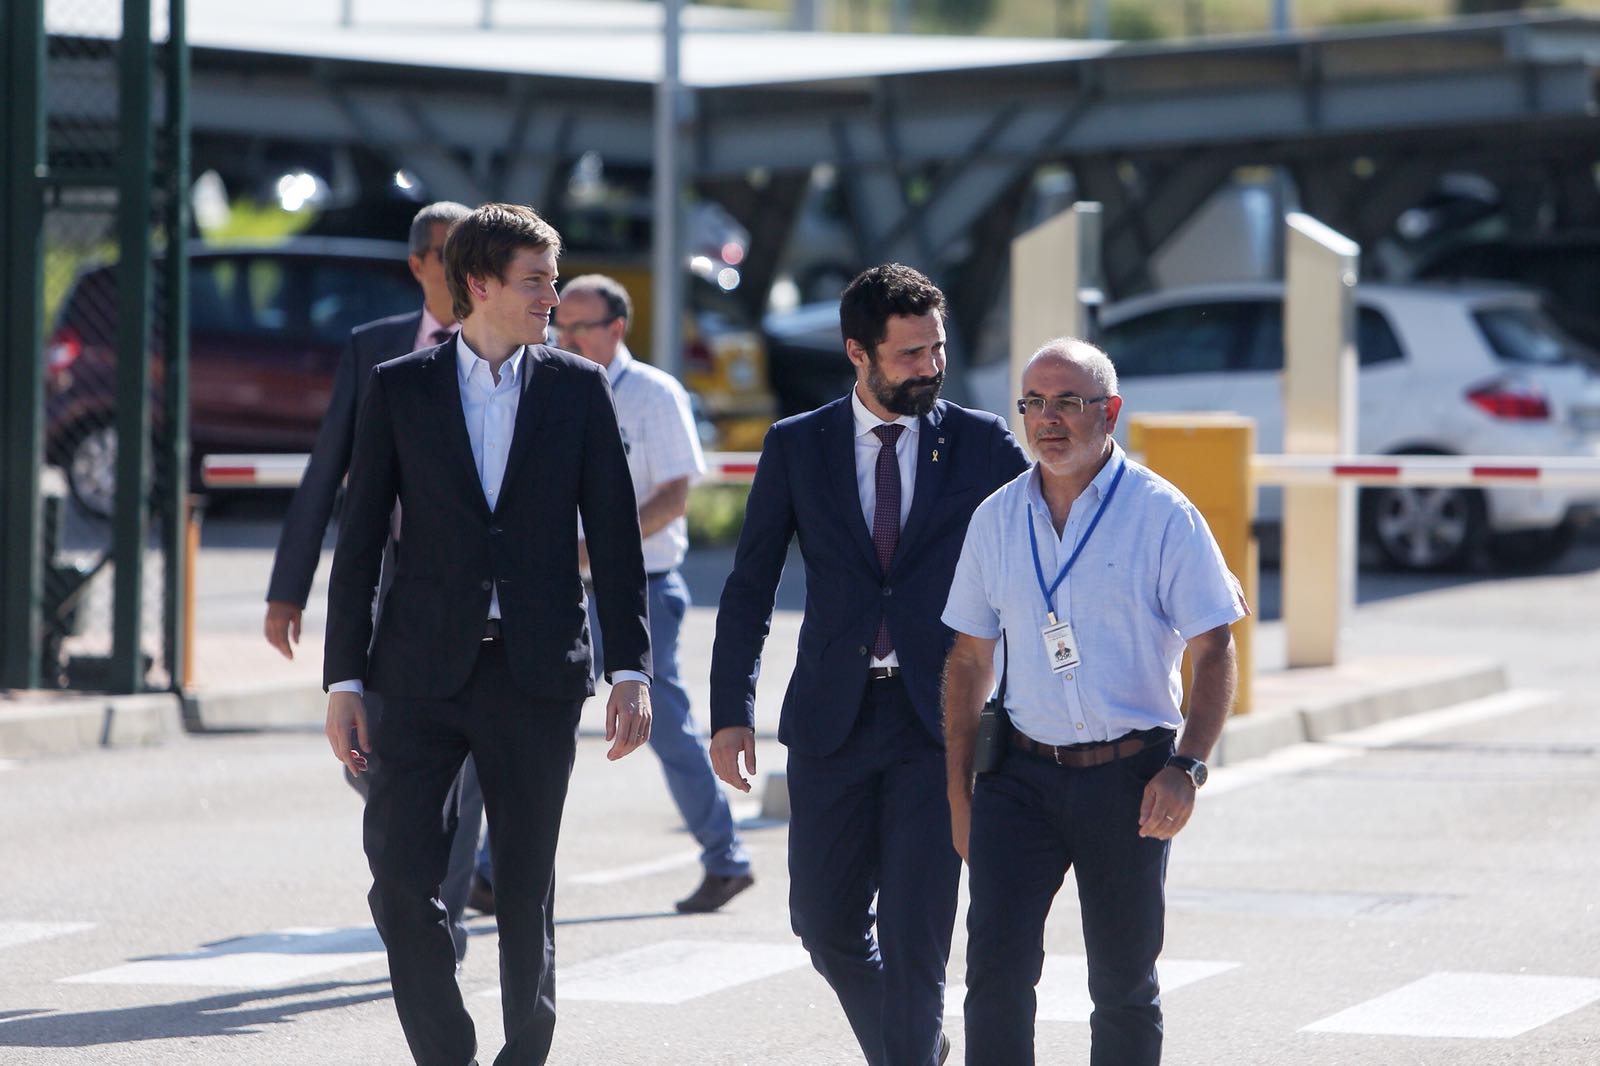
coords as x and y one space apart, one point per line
872 818
524 752
1032 820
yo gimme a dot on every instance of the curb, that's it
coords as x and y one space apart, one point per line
1315 703
74 724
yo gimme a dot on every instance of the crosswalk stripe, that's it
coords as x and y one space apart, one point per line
674 971
1465 1005
1063 991
261 961
635 870
15 933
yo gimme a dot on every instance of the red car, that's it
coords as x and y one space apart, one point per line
266 326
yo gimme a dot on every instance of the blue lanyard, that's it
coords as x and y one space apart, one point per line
1033 541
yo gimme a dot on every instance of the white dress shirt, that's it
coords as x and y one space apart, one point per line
905 453
490 410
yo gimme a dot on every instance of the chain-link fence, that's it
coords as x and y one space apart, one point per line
88 279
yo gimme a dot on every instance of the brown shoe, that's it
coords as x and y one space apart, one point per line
480 897
713 892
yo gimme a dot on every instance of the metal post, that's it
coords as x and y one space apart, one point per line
1282 15
1054 282
900 16
1099 19
813 16
178 640
347 13
133 345
666 342
1319 418
486 21
21 303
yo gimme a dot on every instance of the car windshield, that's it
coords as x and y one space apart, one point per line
1527 335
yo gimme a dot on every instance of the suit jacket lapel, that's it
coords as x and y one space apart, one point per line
839 455
453 420
932 462
537 378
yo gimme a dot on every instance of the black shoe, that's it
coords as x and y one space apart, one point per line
944 1047
713 892
481 896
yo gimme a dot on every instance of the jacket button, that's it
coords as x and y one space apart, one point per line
861 650
487 585
494 531
887 591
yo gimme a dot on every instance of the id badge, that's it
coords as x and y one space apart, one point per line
1060 647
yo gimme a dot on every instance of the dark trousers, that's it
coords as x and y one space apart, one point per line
870 818
524 750
1031 821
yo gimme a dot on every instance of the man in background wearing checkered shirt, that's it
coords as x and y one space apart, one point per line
663 458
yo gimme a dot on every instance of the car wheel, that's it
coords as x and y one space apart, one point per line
1425 528
92 470
1530 549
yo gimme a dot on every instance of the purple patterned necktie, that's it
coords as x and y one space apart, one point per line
886 517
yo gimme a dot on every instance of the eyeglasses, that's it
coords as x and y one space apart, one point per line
579 327
1061 405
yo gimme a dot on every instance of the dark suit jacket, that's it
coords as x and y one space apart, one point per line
300 542
805 484
566 459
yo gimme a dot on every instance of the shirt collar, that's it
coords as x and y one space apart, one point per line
431 325
619 364
866 421
467 360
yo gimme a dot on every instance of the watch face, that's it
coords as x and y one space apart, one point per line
1198 774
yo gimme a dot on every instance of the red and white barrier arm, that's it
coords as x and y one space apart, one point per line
1478 470
285 471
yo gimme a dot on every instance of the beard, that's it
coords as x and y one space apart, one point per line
913 396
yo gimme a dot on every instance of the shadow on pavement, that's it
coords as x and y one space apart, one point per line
233 1014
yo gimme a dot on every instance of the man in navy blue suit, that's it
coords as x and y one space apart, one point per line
879 486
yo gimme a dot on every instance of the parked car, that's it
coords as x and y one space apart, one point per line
1565 267
1443 370
266 325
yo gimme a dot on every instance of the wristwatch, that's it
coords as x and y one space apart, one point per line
1193 767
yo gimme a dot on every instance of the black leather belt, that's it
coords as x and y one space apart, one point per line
1083 756
491 629
882 673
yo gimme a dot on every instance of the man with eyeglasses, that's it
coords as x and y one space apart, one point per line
664 457
1081 583
305 523
878 486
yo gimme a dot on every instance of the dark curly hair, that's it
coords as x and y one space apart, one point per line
880 293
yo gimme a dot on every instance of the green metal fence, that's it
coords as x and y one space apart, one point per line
95 400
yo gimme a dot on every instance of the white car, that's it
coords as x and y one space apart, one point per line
1443 371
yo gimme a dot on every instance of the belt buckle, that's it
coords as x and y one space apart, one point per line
1055 753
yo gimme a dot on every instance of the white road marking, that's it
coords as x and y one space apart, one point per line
14 933
1064 986
1338 747
1485 1006
674 971
634 871
261 961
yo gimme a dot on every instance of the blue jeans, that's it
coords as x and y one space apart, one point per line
1031 821
673 736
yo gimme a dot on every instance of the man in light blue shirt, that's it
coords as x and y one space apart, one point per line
1098 575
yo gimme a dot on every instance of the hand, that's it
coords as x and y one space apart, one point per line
347 712
1168 803
627 717
282 626
961 822
726 745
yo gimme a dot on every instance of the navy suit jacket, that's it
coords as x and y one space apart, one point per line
805 485
566 459
300 542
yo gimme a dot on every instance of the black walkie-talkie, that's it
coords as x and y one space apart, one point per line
994 725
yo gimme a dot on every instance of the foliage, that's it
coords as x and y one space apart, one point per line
716 513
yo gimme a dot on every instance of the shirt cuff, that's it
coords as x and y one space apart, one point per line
618 676
348 686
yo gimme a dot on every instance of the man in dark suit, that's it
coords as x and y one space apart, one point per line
878 486
300 541
494 445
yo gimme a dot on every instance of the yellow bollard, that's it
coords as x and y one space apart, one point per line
1207 456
